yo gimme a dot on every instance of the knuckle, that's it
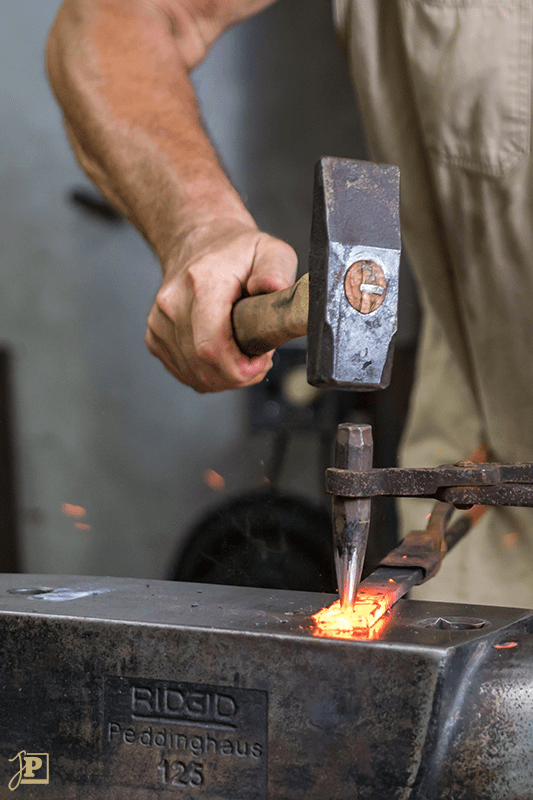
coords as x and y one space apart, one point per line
287 252
196 276
152 321
165 302
277 263
208 351
282 251
150 342
257 379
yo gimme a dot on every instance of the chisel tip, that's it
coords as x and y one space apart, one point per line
348 570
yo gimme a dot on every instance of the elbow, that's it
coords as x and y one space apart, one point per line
52 59
58 46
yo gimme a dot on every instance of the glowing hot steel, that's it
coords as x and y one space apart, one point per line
370 606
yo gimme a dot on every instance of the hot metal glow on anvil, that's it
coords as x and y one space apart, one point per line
140 690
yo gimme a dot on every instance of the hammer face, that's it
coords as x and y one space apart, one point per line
354 268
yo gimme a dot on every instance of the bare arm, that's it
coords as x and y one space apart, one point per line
119 69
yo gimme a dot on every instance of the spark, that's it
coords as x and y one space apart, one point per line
214 480
71 510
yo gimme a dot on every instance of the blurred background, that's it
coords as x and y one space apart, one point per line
108 466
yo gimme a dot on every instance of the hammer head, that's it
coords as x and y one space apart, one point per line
353 274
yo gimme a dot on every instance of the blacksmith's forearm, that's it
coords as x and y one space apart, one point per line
120 72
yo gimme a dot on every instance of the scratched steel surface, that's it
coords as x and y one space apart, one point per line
145 689
347 349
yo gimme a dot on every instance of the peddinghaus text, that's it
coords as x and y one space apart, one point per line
196 745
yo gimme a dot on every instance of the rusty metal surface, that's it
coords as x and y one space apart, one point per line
416 550
355 219
486 484
424 550
144 690
505 495
393 583
419 555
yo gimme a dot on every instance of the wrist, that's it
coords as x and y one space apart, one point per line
204 232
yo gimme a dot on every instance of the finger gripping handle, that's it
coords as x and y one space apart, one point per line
266 321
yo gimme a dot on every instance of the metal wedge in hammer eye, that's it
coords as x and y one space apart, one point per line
351 518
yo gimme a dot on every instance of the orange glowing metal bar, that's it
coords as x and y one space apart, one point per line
354 634
370 607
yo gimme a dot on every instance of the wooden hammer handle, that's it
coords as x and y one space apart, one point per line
266 321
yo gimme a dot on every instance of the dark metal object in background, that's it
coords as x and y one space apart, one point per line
92 202
271 407
274 406
9 559
141 690
355 219
263 539
351 518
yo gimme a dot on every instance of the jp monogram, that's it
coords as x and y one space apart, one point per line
33 768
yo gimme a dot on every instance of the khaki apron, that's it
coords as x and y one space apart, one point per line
444 88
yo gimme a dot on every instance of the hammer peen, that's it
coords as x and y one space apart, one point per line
348 303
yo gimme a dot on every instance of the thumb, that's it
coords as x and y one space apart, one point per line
274 266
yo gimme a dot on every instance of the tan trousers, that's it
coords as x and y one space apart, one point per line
444 88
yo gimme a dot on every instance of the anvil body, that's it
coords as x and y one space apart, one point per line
136 690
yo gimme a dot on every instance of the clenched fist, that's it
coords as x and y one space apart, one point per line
189 326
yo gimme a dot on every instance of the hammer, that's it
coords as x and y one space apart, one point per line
348 306
348 303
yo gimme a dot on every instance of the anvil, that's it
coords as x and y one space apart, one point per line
136 690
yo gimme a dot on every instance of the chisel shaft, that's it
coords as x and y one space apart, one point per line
351 518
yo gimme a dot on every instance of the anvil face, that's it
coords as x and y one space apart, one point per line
148 689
